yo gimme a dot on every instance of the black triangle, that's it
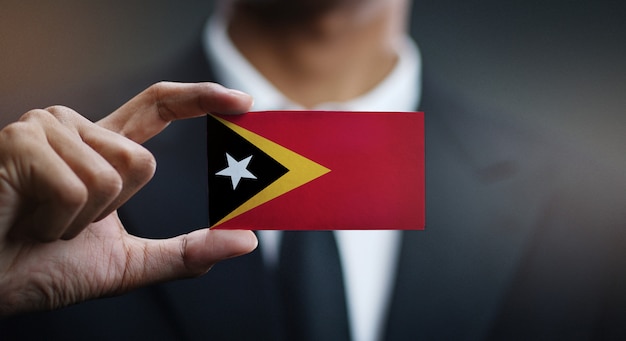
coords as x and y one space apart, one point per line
222 198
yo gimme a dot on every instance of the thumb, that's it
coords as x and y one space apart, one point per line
188 255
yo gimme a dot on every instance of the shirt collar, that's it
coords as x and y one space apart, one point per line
399 91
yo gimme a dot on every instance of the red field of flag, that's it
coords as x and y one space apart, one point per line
333 170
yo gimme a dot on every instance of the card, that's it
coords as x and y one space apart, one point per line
316 170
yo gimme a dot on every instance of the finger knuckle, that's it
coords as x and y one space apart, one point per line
20 137
144 164
62 113
138 163
51 115
56 109
16 129
37 115
156 89
106 183
160 85
73 196
156 92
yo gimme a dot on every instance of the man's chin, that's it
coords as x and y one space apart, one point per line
294 10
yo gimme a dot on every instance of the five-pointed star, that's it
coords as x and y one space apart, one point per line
236 170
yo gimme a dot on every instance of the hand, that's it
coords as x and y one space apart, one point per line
62 179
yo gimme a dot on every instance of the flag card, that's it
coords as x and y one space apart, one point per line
316 170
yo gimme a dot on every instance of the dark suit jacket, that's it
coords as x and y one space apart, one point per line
523 240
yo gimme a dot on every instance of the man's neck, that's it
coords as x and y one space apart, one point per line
336 56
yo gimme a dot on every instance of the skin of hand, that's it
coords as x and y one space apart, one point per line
62 179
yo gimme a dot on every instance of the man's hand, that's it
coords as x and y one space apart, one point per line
62 179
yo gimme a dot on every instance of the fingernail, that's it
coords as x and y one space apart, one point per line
238 93
242 95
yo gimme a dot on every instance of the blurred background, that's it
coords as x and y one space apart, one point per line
558 64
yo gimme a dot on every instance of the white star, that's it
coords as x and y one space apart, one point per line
236 170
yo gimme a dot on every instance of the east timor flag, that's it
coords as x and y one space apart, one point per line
314 170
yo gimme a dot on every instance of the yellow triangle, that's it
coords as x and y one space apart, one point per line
300 170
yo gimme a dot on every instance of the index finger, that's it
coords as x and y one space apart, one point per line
152 110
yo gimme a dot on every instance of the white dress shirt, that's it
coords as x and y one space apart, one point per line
368 258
